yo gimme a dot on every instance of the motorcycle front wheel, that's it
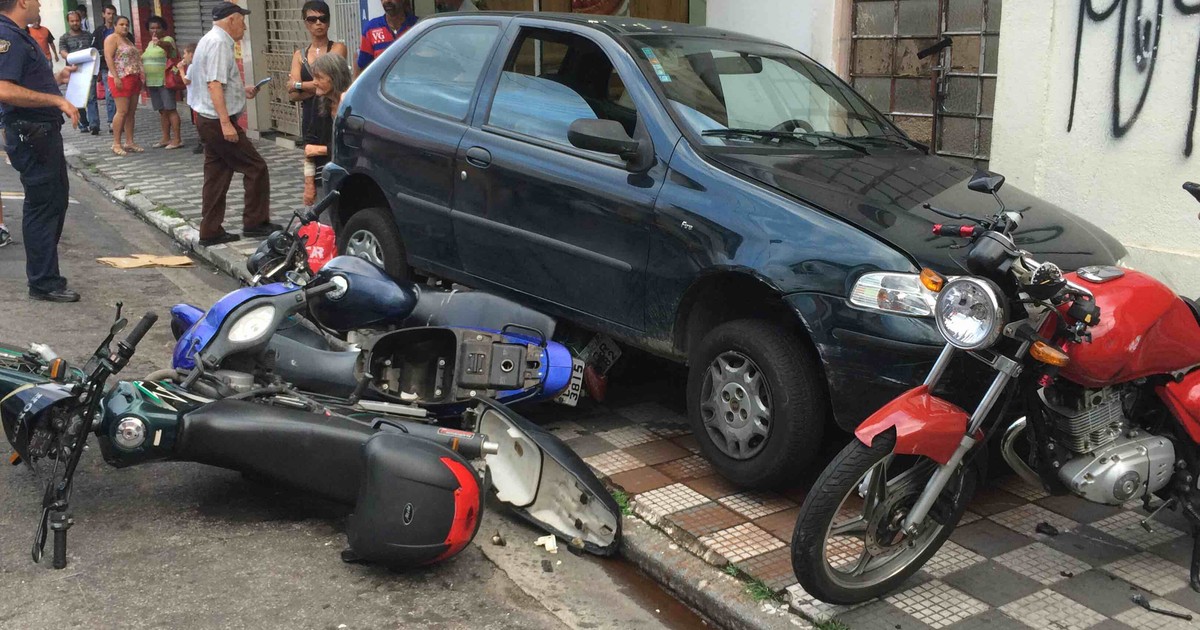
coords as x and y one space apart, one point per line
849 546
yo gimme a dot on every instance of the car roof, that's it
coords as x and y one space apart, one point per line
619 27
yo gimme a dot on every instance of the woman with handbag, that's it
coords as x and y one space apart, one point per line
163 81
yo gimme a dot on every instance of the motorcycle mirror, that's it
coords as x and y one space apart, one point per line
986 182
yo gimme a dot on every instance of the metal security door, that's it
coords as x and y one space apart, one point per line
931 65
285 35
346 25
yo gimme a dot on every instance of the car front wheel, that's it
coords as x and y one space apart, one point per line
756 402
371 235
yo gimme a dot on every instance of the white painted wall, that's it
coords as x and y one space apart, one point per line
1130 185
806 25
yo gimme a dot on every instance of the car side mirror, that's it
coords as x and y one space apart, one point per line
986 182
608 136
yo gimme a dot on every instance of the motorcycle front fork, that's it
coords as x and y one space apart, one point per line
1006 370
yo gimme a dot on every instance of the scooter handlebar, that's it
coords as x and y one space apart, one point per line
140 330
312 214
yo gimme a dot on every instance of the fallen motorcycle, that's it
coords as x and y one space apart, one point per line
1100 368
451 348
417 498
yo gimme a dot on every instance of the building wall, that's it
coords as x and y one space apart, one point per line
818 28
1124 176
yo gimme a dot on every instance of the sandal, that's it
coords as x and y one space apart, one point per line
133 148
119 150
174 146
160 145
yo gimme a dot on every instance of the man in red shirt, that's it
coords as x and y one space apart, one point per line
42 35
380 32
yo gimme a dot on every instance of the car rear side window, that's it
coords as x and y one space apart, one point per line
439 72
553 79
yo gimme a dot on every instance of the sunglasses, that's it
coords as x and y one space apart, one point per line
313 19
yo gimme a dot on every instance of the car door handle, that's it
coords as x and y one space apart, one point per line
355 123
479 157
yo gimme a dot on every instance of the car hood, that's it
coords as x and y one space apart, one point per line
883 194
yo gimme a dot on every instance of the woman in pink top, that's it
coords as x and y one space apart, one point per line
125 79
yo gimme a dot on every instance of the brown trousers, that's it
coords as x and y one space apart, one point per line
221 159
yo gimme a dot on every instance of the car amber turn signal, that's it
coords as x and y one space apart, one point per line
932 280
1048 354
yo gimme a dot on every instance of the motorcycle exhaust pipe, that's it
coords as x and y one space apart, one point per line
1008 450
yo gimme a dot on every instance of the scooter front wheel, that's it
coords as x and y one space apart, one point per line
849 545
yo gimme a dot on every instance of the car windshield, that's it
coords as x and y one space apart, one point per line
739 93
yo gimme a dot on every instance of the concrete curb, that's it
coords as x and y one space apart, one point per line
716 595
696 581
179 229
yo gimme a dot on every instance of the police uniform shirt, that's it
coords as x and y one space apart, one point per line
23 63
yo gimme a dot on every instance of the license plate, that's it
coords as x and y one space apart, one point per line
570 396
602 352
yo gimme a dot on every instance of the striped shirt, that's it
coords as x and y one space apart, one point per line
377 36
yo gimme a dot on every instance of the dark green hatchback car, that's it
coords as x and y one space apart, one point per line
709 197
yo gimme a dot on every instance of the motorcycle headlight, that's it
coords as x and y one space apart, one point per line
896 293
969 313
253 325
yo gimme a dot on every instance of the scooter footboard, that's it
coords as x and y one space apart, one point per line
320 454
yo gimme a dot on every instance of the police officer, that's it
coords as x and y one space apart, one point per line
31 109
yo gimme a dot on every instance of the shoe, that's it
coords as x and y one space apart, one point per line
263 229
174 146
5 237
83 130
61 295
95 131
227 237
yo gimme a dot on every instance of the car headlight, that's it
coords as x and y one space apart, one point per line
253 324
897 293
969 313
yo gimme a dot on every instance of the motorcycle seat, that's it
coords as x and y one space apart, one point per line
474 309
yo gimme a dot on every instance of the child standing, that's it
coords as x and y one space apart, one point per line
186 64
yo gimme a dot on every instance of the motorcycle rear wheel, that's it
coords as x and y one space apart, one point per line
847 547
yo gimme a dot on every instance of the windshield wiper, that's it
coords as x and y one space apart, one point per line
784 135
894 139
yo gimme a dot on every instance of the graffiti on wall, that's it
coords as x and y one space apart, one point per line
1139 26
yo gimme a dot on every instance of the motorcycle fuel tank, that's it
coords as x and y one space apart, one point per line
371 297
1144 329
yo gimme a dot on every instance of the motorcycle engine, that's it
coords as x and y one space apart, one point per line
1112 463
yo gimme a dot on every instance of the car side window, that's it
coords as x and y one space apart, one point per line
553 79
439 72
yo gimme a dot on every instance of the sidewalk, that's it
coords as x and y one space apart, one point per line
997 571
164 185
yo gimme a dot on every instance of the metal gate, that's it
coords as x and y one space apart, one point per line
346 25
285 35
931 65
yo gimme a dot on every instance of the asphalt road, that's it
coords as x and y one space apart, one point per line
183 545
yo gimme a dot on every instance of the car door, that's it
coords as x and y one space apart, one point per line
412 133
533 213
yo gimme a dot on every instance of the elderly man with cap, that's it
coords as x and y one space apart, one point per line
218 97
32 109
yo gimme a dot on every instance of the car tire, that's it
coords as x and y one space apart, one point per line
371 234
795 401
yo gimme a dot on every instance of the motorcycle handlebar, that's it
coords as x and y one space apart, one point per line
961 231
313 213
139 331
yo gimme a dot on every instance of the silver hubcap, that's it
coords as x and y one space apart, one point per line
736 405
364 245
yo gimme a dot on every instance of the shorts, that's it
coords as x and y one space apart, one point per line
125 86
161 98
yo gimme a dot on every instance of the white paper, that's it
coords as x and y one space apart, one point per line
87 66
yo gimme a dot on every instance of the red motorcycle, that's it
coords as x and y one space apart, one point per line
1100 368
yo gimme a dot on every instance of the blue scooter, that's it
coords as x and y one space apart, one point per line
450 347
